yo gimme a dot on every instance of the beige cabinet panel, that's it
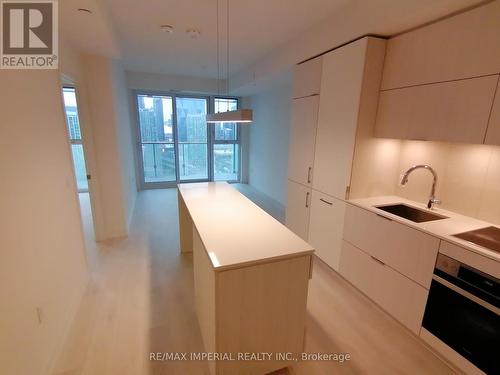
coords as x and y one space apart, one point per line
302 139
307 78
402 298
408 251
455 111
341 86
356 266
462 46
326 226
493 133
298 208
261 308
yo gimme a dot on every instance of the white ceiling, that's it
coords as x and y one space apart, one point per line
256 27
130 29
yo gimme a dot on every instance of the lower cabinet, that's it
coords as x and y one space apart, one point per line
297 209
401 297
409 251
326 226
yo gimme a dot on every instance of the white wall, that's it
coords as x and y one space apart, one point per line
126 142
42 254
111 127
166 82
268 141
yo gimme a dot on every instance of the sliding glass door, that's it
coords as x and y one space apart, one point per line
177 145
157 146
192 138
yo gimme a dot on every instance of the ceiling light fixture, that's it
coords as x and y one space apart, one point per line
167 28
242 116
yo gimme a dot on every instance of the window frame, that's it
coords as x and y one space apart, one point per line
143 185
230 142
78 141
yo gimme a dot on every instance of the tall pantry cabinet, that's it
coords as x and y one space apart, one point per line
345 110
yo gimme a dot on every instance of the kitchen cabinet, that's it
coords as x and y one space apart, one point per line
302 139
493 133
307 78
408 251
462 46
455 111
396 294
349 84
298 209
326 227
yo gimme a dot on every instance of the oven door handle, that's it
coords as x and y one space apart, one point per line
466 294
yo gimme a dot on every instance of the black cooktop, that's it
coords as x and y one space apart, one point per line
488 237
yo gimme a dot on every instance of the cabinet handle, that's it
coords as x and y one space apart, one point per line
309 175
377 260
322 200
383 217
307 199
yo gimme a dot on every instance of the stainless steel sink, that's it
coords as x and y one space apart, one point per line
411 213
488 237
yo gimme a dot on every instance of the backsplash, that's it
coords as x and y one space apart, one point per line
469 176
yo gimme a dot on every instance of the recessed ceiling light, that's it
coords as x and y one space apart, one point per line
167 28
85 10
193 33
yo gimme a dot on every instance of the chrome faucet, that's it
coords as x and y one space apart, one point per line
432 199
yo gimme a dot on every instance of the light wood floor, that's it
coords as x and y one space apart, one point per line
140 300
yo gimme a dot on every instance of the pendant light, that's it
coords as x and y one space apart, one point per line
241 116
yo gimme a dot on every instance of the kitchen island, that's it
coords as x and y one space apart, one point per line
251 277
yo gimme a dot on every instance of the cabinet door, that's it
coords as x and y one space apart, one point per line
302 139
407 250
465 45
455 111
493 133
326 226
298 208
402 298
337 119
307 78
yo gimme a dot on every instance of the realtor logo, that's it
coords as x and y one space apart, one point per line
29 34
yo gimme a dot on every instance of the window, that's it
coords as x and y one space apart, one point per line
75 138
156 127
226 145
193 138
177 144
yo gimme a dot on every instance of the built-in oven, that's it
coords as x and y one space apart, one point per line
463 311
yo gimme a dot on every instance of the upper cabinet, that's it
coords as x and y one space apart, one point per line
439 81
462 46
456 111
307 78
348 99
303 126
493 133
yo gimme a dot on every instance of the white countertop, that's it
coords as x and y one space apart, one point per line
235 231
443 229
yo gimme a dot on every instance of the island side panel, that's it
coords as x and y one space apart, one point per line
204 294
262 308
185 225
